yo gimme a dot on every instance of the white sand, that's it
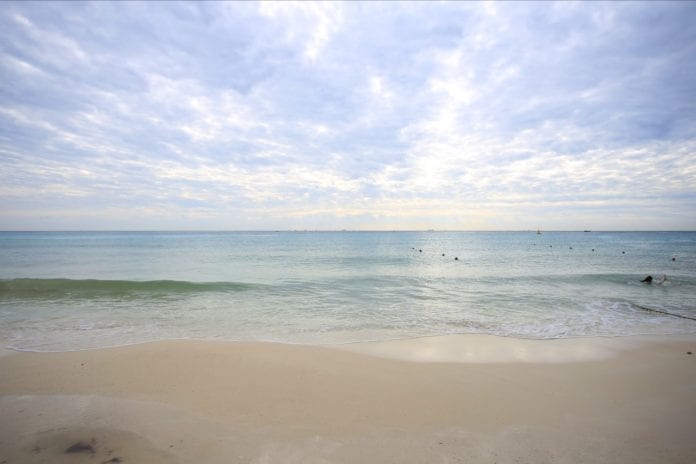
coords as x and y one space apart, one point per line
480 399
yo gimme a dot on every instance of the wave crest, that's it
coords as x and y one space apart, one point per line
37 288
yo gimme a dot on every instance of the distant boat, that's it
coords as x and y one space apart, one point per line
538 231
587 231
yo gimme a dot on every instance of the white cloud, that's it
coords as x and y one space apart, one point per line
450 115
311 23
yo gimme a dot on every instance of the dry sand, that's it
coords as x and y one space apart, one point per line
477 399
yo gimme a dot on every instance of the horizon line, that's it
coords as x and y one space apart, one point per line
333 230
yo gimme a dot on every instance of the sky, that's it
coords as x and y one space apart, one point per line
329 116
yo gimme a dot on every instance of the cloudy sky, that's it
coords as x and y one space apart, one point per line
460 115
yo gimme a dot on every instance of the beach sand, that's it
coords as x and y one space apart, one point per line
468 399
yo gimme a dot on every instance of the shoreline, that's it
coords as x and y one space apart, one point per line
631 399
447 348
490 349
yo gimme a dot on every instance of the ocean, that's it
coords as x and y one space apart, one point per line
77 290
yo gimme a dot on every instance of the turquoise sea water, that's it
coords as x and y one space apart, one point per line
75 290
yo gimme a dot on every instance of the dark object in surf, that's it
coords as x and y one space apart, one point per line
647 280
456 259
80 447
689 352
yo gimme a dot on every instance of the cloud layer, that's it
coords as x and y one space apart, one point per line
348 115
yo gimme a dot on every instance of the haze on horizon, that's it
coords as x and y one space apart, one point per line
379 116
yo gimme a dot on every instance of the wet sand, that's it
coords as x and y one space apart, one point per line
473 399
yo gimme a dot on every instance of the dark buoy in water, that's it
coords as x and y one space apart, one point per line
647 280
443 254
674 258
571 248
623 252
456 259
593 249
420 251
